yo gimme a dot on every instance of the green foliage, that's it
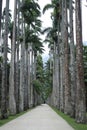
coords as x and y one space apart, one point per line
37 85
30 10
47 87
71 121
31 36
31 13
39 69
47 7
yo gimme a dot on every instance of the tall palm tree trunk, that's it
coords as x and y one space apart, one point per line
80 90
55 72
67 107
4 113
29 88
26 76
72 61
12 101
22 82
26 81
17 51
32 92
61 46
35 93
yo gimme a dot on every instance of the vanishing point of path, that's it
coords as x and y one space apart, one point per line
40 118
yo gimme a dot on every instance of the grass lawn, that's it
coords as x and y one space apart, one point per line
2 122
71 121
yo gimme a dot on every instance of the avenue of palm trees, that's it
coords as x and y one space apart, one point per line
24 81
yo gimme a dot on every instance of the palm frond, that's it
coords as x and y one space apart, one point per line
47 7
46 30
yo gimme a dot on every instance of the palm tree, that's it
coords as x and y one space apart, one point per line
31 12
56 17
4 113
80 89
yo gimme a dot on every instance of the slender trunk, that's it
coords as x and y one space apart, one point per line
17 51
12 102
61 46
35 60
35 93
57 72
32 98
21 88
29 88
54 92
17 64
4 113
72 61
80 90
58 64
17 79
22 82
67 107
26 81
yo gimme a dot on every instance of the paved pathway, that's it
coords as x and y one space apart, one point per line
40 118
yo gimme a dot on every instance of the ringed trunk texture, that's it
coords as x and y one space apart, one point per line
21 88
26 81
80 90
32 91
67 107
29 88
61 47
72 62
17 56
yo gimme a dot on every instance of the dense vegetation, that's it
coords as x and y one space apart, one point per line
24 81
68 59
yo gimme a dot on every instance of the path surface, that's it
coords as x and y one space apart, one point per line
40 118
